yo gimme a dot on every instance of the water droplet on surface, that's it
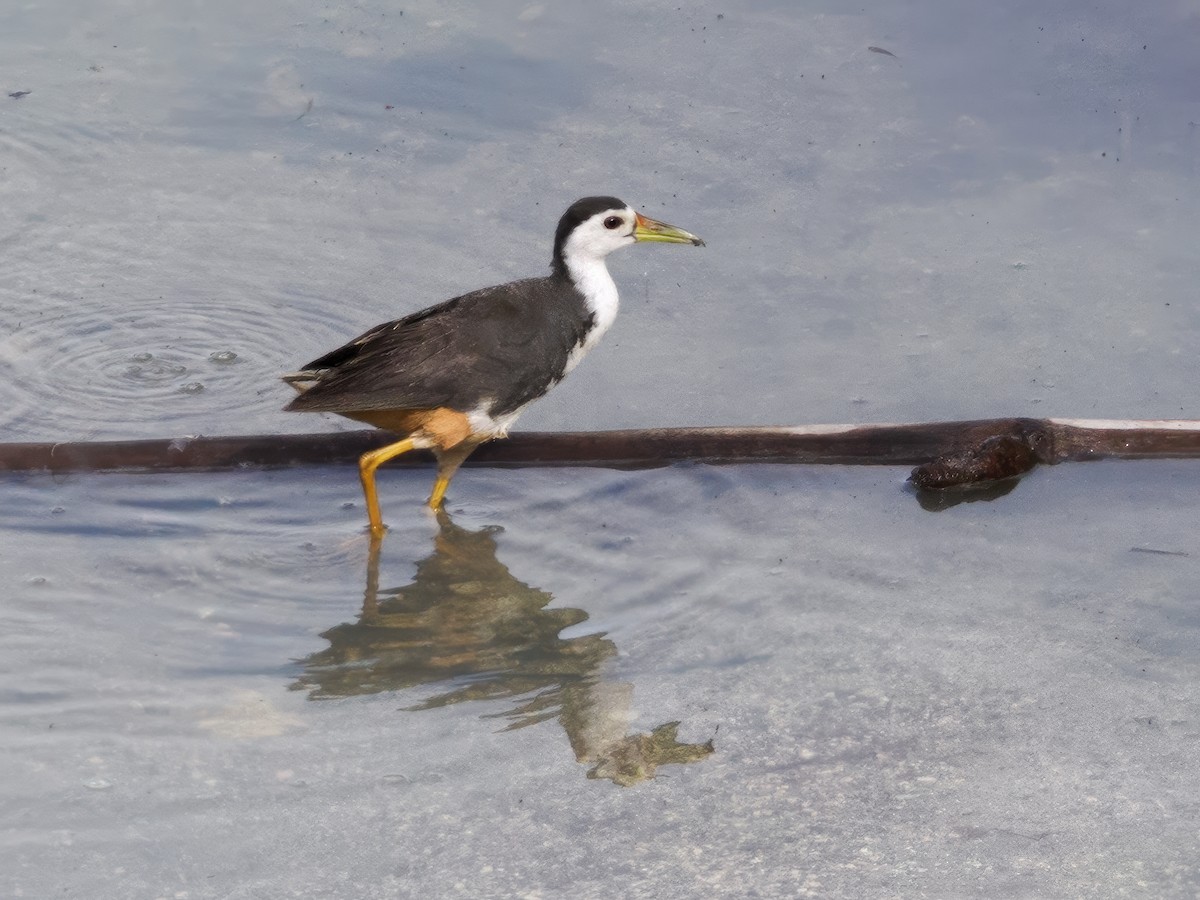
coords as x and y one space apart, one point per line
148 368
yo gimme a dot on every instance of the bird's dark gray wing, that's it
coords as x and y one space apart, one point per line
506 345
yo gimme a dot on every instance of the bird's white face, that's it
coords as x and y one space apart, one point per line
600 235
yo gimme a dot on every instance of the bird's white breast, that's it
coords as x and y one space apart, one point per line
599 293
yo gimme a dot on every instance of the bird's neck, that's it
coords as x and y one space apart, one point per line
590 276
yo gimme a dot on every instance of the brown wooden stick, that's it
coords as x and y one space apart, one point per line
1055 440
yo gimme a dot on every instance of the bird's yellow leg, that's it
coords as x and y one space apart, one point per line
367 464
439 490
448 463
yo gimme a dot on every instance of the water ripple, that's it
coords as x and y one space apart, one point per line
148 367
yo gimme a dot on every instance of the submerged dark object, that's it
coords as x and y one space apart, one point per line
983 492
885 445
996 458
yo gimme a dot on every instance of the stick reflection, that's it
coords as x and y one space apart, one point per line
467 623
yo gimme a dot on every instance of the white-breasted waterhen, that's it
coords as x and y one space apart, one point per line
450 377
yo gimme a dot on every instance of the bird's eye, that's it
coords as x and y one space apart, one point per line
612 222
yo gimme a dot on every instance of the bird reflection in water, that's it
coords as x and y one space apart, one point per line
467 622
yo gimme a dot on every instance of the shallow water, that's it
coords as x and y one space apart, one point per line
212 686
998 696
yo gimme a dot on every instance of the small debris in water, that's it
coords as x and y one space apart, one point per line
192 387
1158 552
884 52
223 357
17 95
97 784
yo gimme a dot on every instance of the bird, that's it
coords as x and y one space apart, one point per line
458 374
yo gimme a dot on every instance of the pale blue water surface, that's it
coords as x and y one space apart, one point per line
211 687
